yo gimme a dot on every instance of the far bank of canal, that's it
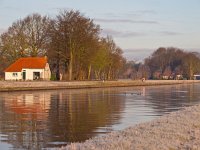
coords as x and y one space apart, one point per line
49 85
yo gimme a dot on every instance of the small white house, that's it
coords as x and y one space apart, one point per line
197 77
29 68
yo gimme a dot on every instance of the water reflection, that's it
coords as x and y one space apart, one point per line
22 117
165 99
33 120
41 119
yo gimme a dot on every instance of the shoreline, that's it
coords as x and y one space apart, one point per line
177 130
8 86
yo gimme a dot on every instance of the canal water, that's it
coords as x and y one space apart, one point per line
48 119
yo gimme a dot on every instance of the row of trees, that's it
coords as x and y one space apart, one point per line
76 50
165 63
71 41
169 61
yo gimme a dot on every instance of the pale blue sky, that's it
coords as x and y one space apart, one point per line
137 26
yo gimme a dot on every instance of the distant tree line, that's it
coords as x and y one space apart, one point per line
71 41
165 63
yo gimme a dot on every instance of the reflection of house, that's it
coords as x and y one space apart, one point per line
165 77
196 77
179 77
157 74
31 105
29 68
170 77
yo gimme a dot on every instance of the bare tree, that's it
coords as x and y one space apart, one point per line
191 64
75 34
26 37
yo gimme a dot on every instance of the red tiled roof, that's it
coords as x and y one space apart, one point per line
28 63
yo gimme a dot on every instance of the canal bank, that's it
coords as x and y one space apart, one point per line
177 130
50 85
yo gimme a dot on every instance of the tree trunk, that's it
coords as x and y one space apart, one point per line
190 70
97 74
191 73
109 73
58 68
70 65
89 71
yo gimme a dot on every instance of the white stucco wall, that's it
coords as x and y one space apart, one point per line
47 72
29 73
9 76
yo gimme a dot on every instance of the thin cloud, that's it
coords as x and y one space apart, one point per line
125 34
10 8
138 13
126 21
147 12
137 55
170 33
60 8
111 15
131 50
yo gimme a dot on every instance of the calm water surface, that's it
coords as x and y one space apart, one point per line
47 119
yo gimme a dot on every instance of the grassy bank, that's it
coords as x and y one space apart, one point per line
50 85
178 130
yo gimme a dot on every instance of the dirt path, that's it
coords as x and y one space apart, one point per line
178 130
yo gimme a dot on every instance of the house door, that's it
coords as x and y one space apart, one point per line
24 75
36 75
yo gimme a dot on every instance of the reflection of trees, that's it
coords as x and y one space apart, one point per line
32 120
170 98
78 113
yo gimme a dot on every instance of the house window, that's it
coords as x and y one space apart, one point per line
14 74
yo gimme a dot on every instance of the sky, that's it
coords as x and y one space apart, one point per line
138 27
